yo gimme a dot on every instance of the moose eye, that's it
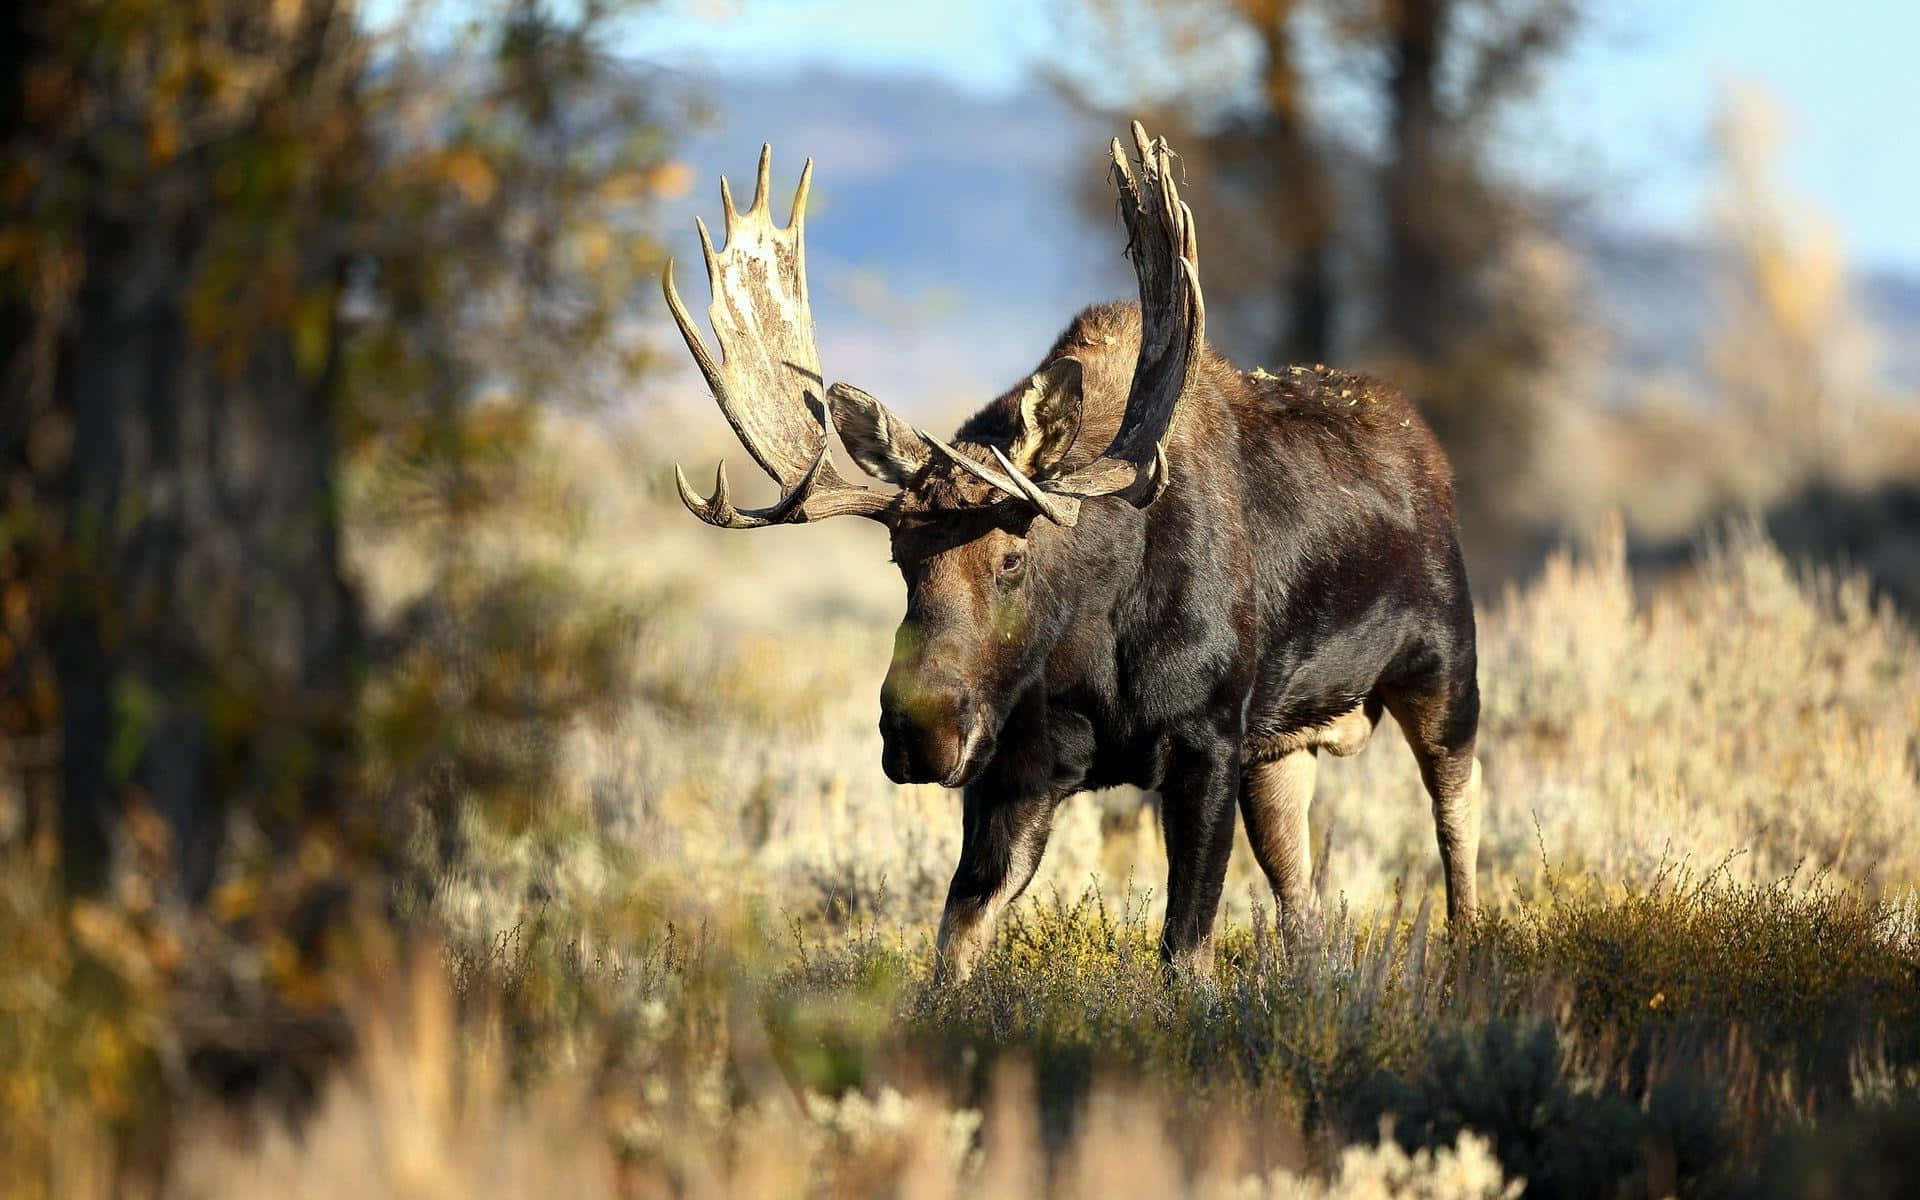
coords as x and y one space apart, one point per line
1012 561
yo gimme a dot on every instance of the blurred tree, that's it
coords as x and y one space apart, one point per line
1347 149
260 265
281 294
177 177
1792 359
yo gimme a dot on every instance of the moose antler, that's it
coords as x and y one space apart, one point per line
1173 320
767 381
1173 327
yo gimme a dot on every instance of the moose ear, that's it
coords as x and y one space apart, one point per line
1049 417
885 446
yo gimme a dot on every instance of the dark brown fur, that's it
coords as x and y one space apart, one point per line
1300 574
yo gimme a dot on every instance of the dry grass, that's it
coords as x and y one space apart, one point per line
428 1110
698 964
1749 710
1703 937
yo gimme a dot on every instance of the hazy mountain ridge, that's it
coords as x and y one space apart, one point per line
946 251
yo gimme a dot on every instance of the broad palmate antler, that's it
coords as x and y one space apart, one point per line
1173 319
768 381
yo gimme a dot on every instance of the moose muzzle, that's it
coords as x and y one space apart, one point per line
932 729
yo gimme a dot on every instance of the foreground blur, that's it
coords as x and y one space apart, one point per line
401 794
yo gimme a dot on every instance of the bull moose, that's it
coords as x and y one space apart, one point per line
1139 565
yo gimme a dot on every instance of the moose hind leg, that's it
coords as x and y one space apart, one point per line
1454 786
1440 727
1274 798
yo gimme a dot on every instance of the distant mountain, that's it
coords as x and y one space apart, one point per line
1656 297
944 251
1891 303
945 248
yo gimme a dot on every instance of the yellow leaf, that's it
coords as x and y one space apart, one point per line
671 179
236 898
163 139
595 245
468 171
313 333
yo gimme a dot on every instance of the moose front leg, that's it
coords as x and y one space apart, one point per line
1002 840
1196 810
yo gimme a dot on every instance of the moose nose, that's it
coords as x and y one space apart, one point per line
926 730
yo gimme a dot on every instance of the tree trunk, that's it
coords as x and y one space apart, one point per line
205 640
1415 304
169 453
1309 312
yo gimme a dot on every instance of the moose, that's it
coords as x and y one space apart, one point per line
1139 565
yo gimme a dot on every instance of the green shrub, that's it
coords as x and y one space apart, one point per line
1508 1080
1802 975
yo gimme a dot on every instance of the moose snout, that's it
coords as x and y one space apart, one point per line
931 731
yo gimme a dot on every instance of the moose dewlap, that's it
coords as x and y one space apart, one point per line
1137 566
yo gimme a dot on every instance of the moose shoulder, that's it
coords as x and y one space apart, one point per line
1139 565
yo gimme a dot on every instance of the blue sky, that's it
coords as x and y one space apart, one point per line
1632 105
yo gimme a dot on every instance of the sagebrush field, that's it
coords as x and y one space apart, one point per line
702 965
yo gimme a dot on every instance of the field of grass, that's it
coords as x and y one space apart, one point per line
699 964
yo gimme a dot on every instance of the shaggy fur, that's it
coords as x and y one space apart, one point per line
1300 574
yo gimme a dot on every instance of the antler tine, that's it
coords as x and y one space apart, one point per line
719 510
762 191
797 218
763 181
799 503
695 346
1165 253
1125 173
978 470
766 377
707 254
1061 510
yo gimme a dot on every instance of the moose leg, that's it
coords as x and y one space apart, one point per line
1440 726
1453 781
1000 848
1196 811
1274 798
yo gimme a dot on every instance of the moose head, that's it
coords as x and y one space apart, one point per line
979 529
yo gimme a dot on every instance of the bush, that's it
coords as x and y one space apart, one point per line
1507 1081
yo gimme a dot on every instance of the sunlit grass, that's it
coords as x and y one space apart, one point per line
698 960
